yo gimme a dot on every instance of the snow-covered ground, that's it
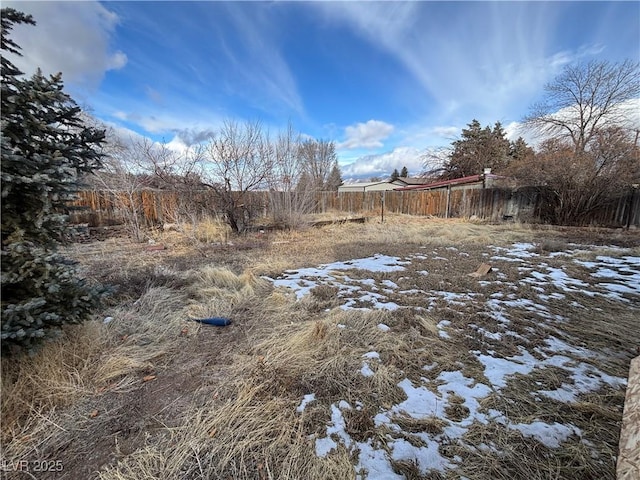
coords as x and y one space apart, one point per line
614 278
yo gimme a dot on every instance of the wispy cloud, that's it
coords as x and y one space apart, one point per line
201 62
258 70
174 70
153 94
161 122
486 58
366 135
70 37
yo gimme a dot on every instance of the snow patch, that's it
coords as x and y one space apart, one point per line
307 399
550 435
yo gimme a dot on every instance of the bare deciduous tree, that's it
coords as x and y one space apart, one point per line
239 159
577 184
289 205
590 154
166 168
319 157
118 178
135 164
585 98
434 161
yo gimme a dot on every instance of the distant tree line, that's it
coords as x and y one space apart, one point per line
395 175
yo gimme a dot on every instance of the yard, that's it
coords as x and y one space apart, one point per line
356 351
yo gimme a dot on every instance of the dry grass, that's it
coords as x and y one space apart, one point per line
397 235
221 403
257 433
96 359
432 425
56 377
212 230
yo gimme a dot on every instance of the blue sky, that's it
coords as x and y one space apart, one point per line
385 81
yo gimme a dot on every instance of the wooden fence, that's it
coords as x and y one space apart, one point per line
99 208
493 204
153 207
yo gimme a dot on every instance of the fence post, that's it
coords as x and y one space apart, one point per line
634 187
446 214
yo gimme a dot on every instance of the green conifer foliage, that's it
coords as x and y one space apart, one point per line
45 146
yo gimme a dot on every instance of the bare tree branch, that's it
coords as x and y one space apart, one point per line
584 99
238 159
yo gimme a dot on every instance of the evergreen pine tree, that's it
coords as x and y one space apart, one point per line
404 173
45 146
334 179
477 149
499 149
395 174
520 151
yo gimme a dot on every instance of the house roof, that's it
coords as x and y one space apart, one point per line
412 180
364 184
398 181
448 183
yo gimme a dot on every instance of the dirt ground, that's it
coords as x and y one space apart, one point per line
526 364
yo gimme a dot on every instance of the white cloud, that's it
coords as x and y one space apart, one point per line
118 133
191 128
120 115
117 61
366 135
424 134
381 165
176 145
533 138
155 124
445 132
629 114
513 130
70 37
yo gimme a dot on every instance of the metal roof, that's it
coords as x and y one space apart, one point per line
448 183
